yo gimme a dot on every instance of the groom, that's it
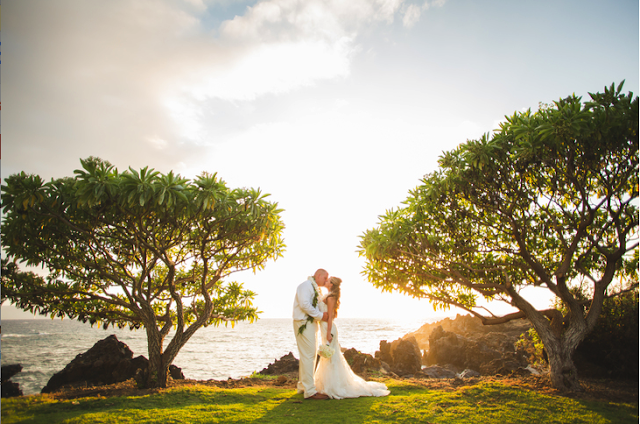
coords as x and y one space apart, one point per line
305 305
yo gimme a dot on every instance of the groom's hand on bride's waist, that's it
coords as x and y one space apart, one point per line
325 316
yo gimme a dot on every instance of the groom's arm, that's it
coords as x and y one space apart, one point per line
305 295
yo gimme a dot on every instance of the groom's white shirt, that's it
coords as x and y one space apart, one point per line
303 302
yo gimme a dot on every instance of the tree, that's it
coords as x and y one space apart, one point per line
612 346
549 200
138 249
10 274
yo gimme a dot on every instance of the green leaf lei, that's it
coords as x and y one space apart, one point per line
309 318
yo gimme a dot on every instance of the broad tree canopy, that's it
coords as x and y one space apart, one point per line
137 248
549 200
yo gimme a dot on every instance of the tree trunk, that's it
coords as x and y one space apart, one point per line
560 345
158 372
562 371
158 369
160 359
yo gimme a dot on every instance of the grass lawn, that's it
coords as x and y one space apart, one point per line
484 402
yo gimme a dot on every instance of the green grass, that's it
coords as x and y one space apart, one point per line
259 376
408 403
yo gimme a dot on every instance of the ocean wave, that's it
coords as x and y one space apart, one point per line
17 336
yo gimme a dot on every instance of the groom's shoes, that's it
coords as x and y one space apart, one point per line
318 396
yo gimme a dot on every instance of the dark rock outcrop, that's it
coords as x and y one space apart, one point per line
407 358
176 372
361 362
281 380
402 355
288 363
489 353
384 354
127 368
471 328
449 348
10 388
469 374
108 361
9 371
501 366
437 372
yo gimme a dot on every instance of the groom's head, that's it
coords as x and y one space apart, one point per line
321 276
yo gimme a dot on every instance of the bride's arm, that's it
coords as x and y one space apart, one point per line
331 305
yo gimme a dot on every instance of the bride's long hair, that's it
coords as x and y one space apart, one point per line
335 292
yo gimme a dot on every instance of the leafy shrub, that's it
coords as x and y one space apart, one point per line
613 344
530 345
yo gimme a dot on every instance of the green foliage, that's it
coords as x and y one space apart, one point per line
549 200
530 344
408 403
137 248
611 349
259 376
11 275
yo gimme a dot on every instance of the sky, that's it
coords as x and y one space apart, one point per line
335 108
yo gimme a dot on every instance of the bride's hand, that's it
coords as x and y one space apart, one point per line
329 338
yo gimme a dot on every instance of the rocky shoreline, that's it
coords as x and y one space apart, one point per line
451 349
465 345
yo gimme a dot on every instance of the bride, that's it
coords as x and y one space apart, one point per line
334 376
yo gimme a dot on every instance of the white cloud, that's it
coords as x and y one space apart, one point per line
275 47
436 3
273 68
187 115
89 76
291 43
196 4
387 9
157 142
413 12
411 16
124 67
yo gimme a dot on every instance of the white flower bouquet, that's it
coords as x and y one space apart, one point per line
325 351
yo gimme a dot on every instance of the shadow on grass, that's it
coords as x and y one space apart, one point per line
297 410
613 412
496 402
189 405
486 402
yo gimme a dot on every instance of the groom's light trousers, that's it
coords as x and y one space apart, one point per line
307 348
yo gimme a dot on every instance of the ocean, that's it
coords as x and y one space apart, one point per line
44 347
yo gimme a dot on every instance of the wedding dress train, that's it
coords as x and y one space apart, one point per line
334 376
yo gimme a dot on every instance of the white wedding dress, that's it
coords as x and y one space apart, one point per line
334 376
